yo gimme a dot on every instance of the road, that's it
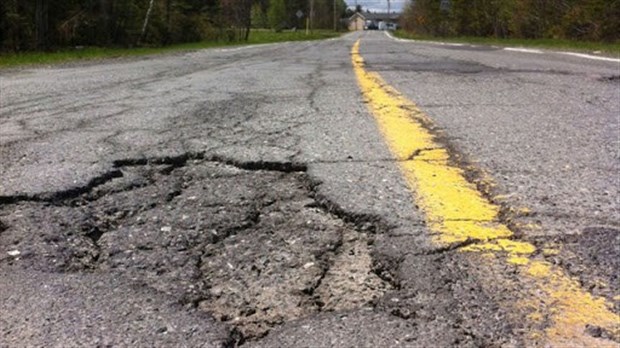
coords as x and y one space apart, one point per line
359 191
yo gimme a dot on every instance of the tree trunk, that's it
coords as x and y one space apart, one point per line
168 24
105 21
248 18
41 24
146 21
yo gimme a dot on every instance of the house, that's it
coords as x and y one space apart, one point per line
365 21
357 22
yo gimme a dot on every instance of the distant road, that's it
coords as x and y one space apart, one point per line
362 191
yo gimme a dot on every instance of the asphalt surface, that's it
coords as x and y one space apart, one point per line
245 196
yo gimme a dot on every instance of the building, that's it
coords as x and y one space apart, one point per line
357 22
364 21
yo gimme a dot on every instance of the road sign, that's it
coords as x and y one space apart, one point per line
445 5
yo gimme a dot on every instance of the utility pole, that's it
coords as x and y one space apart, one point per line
389 19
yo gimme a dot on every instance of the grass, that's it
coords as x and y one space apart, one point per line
580 46
94 53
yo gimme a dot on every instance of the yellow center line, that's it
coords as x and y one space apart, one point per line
455 212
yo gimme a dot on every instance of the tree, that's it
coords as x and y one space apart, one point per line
41 24
45 24
13 26
147 17
259 14
277 14
567 19
238 18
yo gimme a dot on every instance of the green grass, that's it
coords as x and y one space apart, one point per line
580 46
94 53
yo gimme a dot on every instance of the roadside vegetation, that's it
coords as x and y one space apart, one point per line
94 53
557 44
47 31
584 25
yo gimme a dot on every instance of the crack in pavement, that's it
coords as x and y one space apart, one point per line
173 161
249 242
63 194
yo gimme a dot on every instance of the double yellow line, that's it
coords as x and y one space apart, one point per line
456 212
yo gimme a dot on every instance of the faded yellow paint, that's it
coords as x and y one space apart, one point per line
518 260
517 251
550 251
449 232
517 247
572 309
539 270
501 197
528 226
468 214
514 248
456 211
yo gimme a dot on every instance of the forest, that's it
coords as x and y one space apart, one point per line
46 25
586 20
42 25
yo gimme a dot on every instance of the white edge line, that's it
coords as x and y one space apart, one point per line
388 34
525 50
514 49
589 56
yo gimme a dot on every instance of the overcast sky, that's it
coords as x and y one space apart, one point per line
378 5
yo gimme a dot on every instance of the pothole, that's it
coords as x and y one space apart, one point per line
349 283
246 243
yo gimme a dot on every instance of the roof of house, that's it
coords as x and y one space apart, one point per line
369 16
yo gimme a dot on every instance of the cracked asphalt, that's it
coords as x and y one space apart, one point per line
245 196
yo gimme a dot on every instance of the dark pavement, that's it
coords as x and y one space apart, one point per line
245 196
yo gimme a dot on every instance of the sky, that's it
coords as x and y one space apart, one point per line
378 5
